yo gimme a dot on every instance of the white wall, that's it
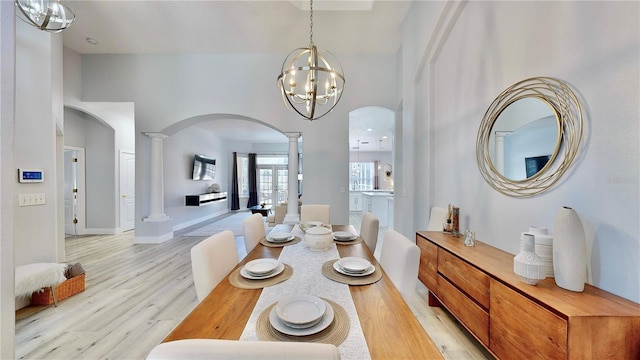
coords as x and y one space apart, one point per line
179 150
35 146
595 47
167 89
7 178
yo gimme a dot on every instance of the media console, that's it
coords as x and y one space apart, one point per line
204 199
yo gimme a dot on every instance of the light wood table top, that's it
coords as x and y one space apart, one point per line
390 328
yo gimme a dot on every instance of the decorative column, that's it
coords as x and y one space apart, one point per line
499 150
156 201
292 216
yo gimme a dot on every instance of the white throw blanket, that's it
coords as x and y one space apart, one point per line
33 277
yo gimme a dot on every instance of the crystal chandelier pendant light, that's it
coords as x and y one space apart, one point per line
311 80
49 15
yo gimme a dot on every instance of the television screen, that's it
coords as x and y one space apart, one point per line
204 168
535 164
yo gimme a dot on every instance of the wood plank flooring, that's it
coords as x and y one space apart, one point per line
135 294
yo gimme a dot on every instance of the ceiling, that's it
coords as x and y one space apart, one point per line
215 26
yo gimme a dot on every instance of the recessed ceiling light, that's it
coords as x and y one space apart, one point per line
369 129
92 41
384 137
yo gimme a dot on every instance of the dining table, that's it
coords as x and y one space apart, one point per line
379 322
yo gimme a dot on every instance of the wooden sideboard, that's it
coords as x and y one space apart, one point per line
514 320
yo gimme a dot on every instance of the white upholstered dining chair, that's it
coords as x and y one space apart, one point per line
315 212
369 230
400 259
211 260
437 218
214 349
253 231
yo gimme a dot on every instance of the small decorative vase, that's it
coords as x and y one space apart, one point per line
544 247
569 251
527 265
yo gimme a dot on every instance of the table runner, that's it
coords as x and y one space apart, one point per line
308 279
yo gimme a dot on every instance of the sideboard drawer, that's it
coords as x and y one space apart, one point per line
470 314
428 270
468 278
522 329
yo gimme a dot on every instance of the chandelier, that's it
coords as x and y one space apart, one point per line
48 15
322 83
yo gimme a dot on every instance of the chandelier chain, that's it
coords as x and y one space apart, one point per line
311 23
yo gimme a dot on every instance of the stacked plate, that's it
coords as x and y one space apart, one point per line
261 269
280 237
344 236
301 315
354 266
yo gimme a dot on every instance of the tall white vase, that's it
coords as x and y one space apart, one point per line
569 251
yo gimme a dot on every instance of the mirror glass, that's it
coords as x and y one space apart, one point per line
524 138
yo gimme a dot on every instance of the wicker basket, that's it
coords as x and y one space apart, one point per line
64 290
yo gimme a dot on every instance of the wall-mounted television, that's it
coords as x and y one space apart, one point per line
535 164
204 168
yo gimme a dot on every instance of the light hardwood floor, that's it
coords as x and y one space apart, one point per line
135 294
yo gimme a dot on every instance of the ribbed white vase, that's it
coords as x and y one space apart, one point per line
569 251
527 265
544 247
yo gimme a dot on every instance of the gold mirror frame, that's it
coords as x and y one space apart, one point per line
564 102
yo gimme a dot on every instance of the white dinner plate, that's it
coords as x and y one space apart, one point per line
261 267
279 236
245 274
300 309
339 269
326 320
344 236
354 264
279 241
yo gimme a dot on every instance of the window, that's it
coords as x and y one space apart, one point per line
243 176
362 175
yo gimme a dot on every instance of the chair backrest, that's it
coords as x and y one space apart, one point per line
315 212
400 259
211 260
437 218
214 349
253 231
369 230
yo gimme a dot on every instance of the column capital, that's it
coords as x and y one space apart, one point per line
155 135
293 135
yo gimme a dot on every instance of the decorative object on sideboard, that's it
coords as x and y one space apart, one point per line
455 221
527 265
543 247
569 250
469 238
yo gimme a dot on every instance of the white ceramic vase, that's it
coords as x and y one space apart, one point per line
569 251
527 265
544 247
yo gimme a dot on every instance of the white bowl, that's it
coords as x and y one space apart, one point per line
261 266
300 309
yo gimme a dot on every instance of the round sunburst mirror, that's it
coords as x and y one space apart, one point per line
529 136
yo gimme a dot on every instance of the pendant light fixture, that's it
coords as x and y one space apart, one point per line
311 80
49 15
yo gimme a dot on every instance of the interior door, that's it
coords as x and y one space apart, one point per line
272 184
127 191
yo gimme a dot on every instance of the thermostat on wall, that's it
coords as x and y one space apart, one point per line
30 175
